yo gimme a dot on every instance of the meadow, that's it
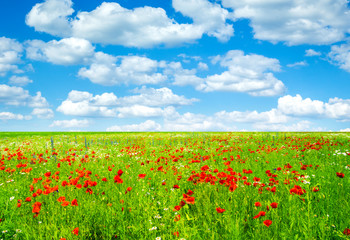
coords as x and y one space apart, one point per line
174 186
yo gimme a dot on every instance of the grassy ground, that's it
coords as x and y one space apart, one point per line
174 186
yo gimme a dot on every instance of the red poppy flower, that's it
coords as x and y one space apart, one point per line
74 202
220 210
347 231
128 189
189 200
189 192
176 234
176 186
36 207
261 213
315 189
48 174
274 205
177 208
120 172
117 179
76 231
28 199
61 199
341 175
104 179
65 203
257 204
267 223
142 176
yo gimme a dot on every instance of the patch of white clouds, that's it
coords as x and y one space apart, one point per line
10 55
340 56
297 64
139 70
241 76
51 16
335 108
17 96
43 113
144 27
148 102
12 116
345 130
20 81
311 53
73 123
295 22
67 51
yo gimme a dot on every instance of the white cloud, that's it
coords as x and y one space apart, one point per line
131 70
210 16
202 66
242 76
12 116
145 27
74 123
17 96
10 55
148 125
20 80
67 51
300 107
51 17
84 108
345 130
155 98
297 64
340 56
295 22
43 113
311 53
141 27
335 108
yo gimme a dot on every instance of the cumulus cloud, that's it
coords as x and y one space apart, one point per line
242 76
295 22
12 116
148 125
311 53
335 108
51 17
145 27
85 104
155 98
43 113
345 130
210 16
67 51
74 123
20 80
18 96
144 111
340 56
109 70
10 55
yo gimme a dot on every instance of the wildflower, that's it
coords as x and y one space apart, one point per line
341 175
142 176
220 210
267 223
347 231
11 198
75 231
158 238
74 202
176 186
257 204
61 199
261 213
5 231
176 234
274 205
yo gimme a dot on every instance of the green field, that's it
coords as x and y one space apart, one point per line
174 186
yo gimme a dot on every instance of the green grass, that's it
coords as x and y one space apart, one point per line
193 161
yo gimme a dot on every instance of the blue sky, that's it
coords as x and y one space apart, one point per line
180 65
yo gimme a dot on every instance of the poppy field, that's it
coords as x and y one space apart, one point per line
174 186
